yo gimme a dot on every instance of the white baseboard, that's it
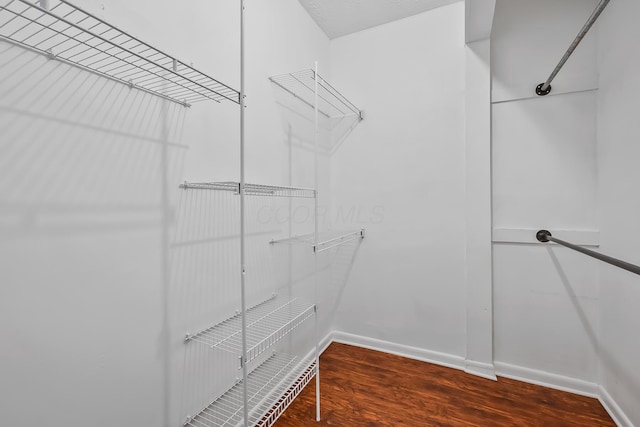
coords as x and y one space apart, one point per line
546 379
615 411
326 342
480 369
486 370
434 357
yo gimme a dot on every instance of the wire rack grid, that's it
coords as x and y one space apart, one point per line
62 31
331 103
272 386
267 323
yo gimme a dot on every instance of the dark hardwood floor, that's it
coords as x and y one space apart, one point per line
368 388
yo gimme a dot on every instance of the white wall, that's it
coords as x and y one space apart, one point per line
479 250
89 205
544 176
618 151
403 170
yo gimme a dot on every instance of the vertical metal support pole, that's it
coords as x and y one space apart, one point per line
166 272
245 395
290 248
315 242
545 88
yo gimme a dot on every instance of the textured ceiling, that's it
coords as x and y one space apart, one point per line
341 17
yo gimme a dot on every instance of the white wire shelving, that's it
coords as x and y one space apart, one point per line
267 323
272 386
251 189
325 242
331 103
64 32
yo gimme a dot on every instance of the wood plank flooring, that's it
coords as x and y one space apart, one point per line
368 388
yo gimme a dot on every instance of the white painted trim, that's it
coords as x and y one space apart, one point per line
547 379
326 342
615 411
437 358
486 370
478 19
536 97
480 369
478 268
528 236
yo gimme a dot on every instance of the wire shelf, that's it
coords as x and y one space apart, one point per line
331 103
271 388
267 323
283 395
216 186
62 31
326 242
251 189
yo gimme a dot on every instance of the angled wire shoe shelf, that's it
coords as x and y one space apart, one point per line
331 103
64 32
272 386
251 189
325 242
267 323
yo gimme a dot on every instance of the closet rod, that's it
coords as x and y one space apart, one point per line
545 236
545 88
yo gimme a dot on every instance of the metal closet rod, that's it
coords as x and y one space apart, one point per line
545 236
545 88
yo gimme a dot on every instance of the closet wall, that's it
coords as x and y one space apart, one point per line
89 203
544 176
618 153
91 216
402 177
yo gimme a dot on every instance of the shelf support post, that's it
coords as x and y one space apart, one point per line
245 394
315 239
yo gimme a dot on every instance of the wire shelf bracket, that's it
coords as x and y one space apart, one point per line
337 241
325 244
272 386
251 189
61 31
301 85
267 323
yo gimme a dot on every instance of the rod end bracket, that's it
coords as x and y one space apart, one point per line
543 236
542 92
